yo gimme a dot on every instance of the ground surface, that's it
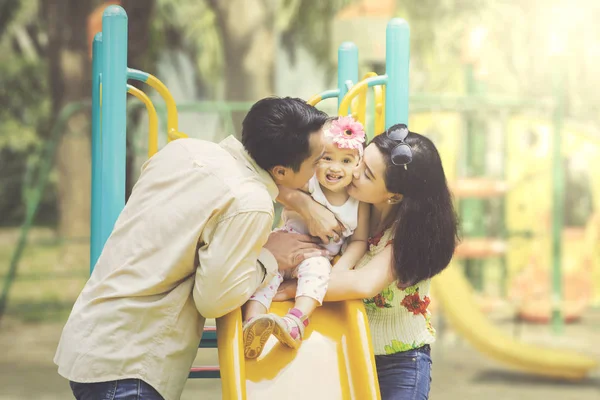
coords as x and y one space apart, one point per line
49 283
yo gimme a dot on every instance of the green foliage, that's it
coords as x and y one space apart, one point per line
308 23
25 109
191 26
25 116
194 23
24 96
8 9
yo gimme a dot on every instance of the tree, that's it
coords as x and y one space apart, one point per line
247 32
25 106
235 41
70 81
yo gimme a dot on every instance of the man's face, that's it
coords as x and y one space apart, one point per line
297 179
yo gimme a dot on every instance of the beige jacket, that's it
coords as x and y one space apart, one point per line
187 246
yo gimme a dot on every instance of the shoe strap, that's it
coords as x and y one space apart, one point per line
303 319
299 324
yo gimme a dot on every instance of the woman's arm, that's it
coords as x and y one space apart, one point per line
320 221
357 245
362 283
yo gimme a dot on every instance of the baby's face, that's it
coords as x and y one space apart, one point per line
334 170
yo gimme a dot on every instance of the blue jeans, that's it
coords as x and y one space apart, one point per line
405 375
124 389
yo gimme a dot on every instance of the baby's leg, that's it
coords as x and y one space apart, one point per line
260 301
251 309
258 325
313 277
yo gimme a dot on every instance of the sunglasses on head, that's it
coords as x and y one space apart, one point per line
402 153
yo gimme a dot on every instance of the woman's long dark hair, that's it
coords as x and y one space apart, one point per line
424 222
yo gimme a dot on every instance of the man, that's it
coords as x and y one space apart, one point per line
193 242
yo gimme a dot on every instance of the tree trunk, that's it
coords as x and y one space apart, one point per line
70 81
247 29
139 57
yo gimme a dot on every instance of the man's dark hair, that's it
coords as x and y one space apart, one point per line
276 131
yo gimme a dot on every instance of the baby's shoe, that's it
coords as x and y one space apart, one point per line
289 329
256 331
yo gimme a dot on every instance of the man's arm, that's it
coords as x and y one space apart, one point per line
233 265
320 221
243 254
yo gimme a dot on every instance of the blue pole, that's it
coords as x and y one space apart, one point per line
113 120
397 56
95 243
347 67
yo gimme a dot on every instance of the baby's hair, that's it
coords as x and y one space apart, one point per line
328 122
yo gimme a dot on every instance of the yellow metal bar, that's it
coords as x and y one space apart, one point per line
361 107
379 109
354 108
231 356
379 99
361 102
352 93
152 119
328 94
316 99
172 121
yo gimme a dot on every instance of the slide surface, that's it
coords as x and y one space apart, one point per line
335 360
455 295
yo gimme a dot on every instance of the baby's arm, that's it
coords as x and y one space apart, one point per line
357 245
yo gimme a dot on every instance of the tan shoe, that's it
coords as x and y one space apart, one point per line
256 332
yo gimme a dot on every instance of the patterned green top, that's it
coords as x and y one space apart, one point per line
399 319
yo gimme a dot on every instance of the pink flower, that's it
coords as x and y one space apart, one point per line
347 133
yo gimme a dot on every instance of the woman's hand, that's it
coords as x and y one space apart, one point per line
286 291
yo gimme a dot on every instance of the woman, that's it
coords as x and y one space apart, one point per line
413 233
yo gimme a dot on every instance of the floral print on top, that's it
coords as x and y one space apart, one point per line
399 318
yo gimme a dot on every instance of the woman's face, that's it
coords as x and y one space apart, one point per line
368 184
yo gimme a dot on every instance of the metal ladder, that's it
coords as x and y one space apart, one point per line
209 341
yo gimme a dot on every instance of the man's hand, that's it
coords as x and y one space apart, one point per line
290 249
322 223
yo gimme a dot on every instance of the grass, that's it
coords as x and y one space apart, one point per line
49 278
46 285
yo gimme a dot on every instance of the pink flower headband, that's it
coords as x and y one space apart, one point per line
347 134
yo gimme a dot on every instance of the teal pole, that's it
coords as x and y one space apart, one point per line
95 242
347 68
113 119
397 45
558 199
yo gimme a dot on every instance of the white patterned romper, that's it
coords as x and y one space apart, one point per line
313 273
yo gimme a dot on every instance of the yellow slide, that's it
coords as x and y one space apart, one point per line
335 360
455 295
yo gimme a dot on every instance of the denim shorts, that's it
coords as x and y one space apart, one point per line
124 389
405 375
